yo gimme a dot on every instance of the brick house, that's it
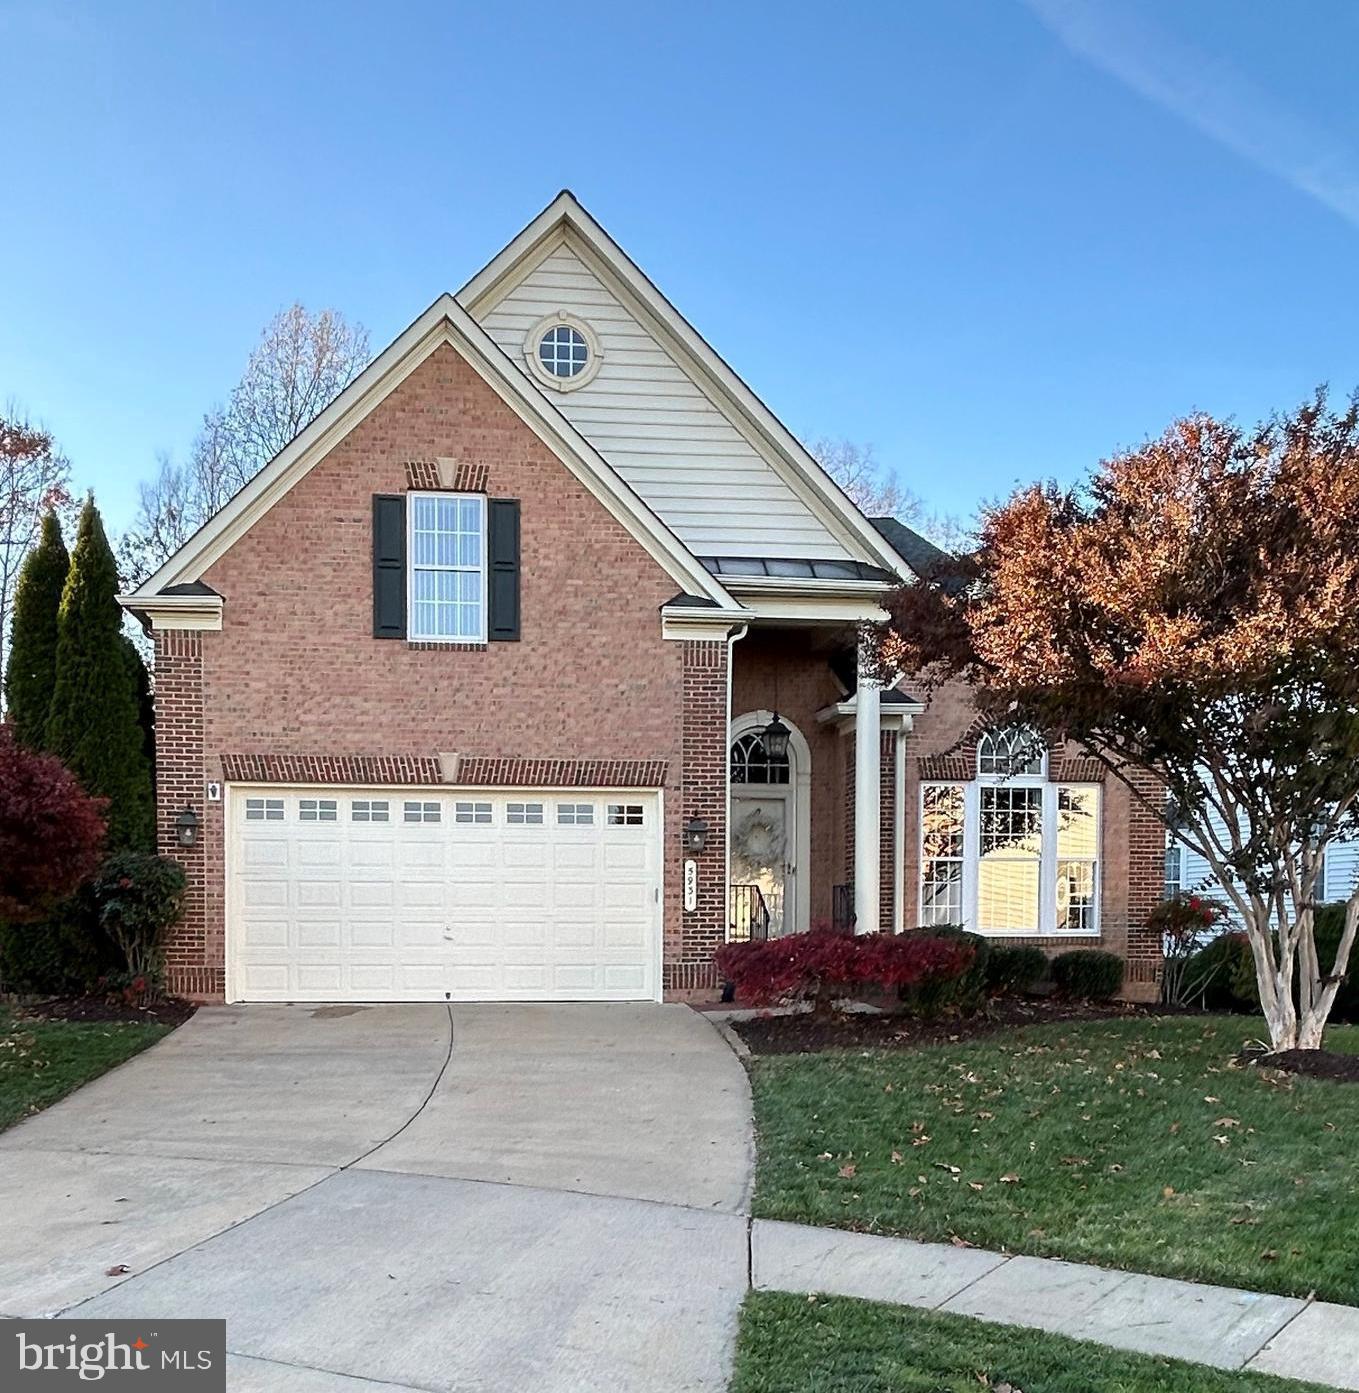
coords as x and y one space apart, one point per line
466 695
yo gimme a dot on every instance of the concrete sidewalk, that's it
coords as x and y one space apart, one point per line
1312 1341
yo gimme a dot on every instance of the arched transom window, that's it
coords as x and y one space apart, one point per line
750 764
1010 852
1012 752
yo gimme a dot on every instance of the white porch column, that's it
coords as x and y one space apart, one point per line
867 796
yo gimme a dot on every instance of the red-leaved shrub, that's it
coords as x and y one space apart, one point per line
822 966
51 831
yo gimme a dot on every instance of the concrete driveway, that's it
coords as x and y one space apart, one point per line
481 1197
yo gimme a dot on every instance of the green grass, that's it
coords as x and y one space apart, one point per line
42 1061
1129 1143
793 1344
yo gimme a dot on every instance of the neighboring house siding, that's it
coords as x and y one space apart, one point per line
653 424
1195 876
295 670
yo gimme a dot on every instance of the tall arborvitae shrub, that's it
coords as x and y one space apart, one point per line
31 670
94 724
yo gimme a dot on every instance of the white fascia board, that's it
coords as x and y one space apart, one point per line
175 611
766 433
804 609
445 322
700 623
808 588
841 715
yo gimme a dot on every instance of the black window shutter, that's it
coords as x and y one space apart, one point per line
389 565
502 527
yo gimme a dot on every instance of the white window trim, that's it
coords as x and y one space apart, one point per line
412 635
1047 886
594 353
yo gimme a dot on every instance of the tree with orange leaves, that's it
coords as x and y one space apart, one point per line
1192 612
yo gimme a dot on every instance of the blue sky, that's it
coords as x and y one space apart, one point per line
995 238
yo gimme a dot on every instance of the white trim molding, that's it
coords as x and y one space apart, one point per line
594 352
158 612
1049 793
701 623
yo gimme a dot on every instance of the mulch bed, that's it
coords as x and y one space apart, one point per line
803 1034
98 1008
1316 1064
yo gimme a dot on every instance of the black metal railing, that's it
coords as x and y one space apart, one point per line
748 914
842 908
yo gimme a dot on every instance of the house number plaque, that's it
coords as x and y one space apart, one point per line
690 886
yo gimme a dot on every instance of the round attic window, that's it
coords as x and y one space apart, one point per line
562 351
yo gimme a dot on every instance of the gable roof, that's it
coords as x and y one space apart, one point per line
566 217
444 322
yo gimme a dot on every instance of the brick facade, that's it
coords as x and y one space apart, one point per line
692 936
194 960
295 689
294 684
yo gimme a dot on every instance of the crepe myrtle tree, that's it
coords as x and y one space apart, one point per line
1189 613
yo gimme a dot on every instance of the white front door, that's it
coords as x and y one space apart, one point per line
762 852
371 895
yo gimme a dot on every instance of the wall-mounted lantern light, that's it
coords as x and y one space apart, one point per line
695 834
186 827
774 739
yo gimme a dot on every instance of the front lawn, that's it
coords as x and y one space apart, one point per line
790 1344
1131 1143
44 1060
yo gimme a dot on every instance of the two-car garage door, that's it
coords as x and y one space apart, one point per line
376 895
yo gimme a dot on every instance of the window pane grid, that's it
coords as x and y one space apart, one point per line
751 765
563 351
941 860
1076 896
1011 858
1010 849
1010 753
447 555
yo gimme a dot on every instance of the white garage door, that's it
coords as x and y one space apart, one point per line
374 895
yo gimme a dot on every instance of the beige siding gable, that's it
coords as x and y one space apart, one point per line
650 420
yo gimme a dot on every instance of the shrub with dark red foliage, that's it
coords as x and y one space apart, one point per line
822 966
51 832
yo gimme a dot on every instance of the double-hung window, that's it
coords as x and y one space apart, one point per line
447 581
1010 852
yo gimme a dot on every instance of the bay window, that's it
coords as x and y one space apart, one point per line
1010 852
